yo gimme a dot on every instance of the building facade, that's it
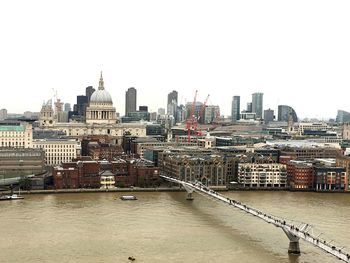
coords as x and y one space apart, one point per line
285 112
58 151
208 169
257 104
343 116
300 175
130 100
331 179
20 162
235 108
253 175
172 103
16 135
269 116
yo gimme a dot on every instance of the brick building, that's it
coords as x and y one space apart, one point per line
331 179
300 175
92 174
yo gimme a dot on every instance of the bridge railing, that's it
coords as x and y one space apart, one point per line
292 231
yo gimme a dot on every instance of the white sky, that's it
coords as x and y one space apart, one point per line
295 52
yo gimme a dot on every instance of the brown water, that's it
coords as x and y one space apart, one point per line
164 227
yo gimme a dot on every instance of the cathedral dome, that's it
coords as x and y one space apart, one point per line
101 96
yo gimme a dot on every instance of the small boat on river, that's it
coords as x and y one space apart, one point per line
128 197
10 197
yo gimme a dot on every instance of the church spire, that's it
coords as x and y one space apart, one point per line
101 83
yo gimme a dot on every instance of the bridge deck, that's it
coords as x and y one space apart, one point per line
301 232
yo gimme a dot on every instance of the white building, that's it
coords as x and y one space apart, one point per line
254 175
17 135
101 108
312 126
58 150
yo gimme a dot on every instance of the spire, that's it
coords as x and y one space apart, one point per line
101 83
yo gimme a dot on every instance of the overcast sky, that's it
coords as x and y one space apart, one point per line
295 52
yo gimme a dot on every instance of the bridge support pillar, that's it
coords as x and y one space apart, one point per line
189 196
189 192
294 247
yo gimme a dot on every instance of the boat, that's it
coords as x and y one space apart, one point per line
128 197
10 197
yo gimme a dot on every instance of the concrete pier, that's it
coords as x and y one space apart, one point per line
294 247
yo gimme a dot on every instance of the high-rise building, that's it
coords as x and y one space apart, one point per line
236 108
211 113
172 104
3 114
257 104
181 113
285 111
269 116
130 100
88 92
343 116
249 107
172 97
67 107
82 103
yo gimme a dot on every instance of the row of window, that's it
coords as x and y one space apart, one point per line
14 144
54 146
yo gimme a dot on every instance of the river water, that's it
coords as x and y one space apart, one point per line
164 227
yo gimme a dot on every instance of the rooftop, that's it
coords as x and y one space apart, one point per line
17 128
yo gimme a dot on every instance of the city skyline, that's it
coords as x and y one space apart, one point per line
291 52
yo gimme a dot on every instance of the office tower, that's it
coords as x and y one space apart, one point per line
67 107
284 111
343 116
249 107
235 108
82 103
172 98
172 104
257 104
269 116
88 92
130 100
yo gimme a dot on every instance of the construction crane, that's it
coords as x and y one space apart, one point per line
201 115
190 120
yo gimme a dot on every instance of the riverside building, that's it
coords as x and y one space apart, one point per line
16 135
253 175
58 151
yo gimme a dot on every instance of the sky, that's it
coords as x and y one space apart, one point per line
296 52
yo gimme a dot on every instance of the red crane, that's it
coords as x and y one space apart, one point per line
190 120
201 115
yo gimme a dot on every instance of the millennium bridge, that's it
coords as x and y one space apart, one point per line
294 232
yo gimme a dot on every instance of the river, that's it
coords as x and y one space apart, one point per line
164 227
